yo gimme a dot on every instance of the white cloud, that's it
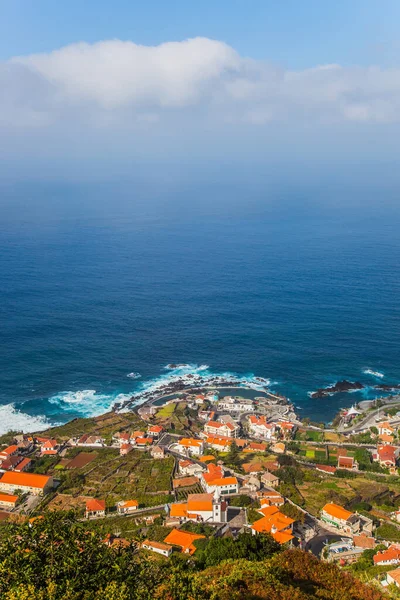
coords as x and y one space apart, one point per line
113 83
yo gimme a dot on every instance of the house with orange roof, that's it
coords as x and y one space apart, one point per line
221 444
385 428
347 462
136 434
260 427
391 556
190 446
393 577
9 451
228 429
8 501
154 430
49 448
386 455
278 448
256 447
157 547
275 523
142 442
222 485
345 520
24 465
207 458
30 483
184 540
11 463
286 429
95 508
271 498
327 469
125 448
125 507
200 508
386 438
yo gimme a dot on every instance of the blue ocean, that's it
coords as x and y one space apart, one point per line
98 282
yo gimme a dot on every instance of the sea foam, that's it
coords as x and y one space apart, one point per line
12 419
88 403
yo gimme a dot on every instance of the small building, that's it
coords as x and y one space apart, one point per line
228 429
189 446
187 467
157 452
385 428
347 462
143 442
275 523
183 540
326 469
200 508
157 547
220 443
235 405
393 577
154 431
367 542
223 485
49 448
286 429
270 480
260 427
256 447
386 438
29 483
91 441
7 452
95 508
279 448
252 468
386 455
344 520
250 484
24 465
391 556
8 501
271 498
124 449
126 507
11 463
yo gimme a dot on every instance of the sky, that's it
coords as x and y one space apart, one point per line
95 87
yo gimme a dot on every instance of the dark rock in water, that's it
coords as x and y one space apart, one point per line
384 387
339 387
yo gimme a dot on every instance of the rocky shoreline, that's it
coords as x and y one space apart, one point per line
195 383
350 386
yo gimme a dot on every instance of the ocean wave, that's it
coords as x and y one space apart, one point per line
377 374
134 375
88 403
12 419
92 403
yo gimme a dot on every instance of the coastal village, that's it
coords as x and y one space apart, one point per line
205 465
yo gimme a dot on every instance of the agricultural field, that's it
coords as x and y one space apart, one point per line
104 425
178 418
112 477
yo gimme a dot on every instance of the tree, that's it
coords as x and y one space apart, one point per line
232 458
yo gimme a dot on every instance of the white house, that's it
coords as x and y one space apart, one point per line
191 446
259 427
125 507
225 429
201 508
158 547
230 404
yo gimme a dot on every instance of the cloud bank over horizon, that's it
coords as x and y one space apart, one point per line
118 83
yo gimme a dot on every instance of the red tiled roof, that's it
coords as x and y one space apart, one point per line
94 505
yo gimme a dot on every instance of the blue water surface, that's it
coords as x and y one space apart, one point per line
98 282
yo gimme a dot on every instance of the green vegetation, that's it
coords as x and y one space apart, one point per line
390 532
166 411
59 558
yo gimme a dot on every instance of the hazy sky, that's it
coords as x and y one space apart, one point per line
86 84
